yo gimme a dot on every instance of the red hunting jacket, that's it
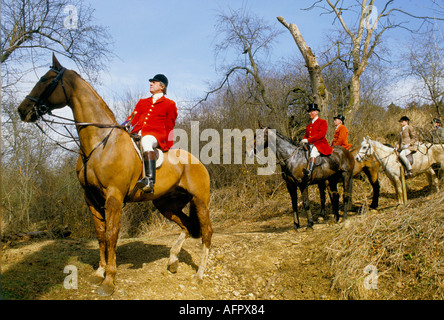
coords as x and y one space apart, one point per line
340 137
315 134
156 119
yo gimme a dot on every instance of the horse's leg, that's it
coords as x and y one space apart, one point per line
200 208
113 210
184 223
333 184
348 191
99 224
173 261
372 175
197 224
322 188
433 179
306 203
396 182
293 191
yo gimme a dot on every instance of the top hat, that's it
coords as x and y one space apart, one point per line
340 117
404 118
312 107
160 78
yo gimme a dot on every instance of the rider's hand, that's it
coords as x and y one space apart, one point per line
304 141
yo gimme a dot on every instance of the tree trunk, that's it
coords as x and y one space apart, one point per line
319 91
355 96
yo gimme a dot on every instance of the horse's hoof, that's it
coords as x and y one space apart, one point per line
173 266
295 226
197 278
106 290
309 229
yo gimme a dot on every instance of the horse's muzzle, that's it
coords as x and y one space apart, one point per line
30 116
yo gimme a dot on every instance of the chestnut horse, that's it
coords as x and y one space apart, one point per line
370 166
109 167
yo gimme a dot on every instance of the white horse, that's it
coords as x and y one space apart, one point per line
423 159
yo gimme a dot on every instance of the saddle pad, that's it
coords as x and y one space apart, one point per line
159 154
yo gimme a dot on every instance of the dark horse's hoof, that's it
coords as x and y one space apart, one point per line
309 226
295 226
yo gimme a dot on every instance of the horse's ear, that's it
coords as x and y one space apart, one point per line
55 63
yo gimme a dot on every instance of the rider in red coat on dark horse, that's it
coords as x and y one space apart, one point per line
315 135
154 119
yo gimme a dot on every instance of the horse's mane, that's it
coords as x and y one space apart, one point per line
280 135
107 109
386 145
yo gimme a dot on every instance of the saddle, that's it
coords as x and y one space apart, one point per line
319 159
136 139
410 157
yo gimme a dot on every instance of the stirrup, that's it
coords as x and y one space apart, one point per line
145 185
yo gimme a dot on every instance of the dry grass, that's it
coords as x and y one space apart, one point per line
405 245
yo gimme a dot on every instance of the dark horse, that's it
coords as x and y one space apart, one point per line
109 167
328 171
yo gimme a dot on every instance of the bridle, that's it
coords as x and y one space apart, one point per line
41 109
40 103
364 155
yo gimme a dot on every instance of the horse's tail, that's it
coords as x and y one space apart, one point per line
194 228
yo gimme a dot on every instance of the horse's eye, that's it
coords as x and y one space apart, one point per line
43 79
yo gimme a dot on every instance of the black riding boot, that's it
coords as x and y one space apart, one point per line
309 171
147 182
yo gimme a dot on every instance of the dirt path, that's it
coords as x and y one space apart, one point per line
261 260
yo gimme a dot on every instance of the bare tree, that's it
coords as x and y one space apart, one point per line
250 37
319 91
425 63
32 28
364 35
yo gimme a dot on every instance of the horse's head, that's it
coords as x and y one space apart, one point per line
48 94
260 140
365 151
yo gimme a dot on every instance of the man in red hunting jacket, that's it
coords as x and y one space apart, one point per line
315 135
341 133
154 119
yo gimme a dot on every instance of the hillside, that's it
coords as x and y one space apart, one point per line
258 256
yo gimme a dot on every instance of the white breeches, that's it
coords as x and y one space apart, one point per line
314 152
403 155
149 143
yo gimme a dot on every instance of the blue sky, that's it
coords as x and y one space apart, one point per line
176 37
